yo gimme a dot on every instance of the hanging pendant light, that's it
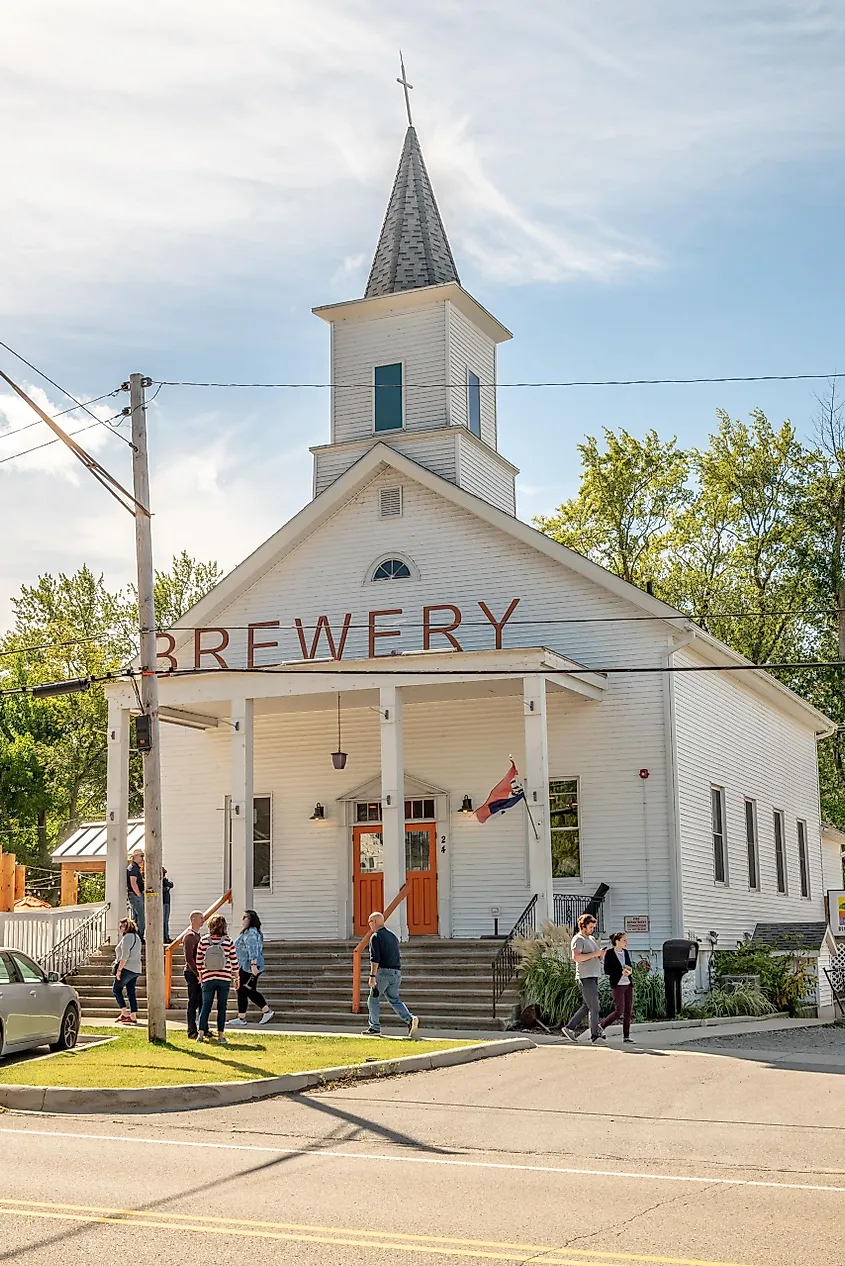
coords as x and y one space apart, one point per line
338 757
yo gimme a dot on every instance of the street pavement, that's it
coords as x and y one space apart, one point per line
557 1155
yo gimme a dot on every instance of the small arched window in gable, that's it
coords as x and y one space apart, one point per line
392 569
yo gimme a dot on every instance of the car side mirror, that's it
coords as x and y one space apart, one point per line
53 977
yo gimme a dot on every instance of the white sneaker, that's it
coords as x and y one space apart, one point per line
413 1026
237 1023
267 1017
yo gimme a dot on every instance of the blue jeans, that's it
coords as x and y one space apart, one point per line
388 980
212 989
127 982
136 905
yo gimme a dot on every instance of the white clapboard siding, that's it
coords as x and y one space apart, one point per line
728 736
416 336
460 747
434 450
483 473
471 348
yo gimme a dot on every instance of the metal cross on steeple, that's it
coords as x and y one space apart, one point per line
404 82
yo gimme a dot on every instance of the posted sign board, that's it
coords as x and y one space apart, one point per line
637 923
836 908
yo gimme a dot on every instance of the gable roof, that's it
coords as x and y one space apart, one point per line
332 499
413 249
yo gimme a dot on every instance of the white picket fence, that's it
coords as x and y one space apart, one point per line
38 932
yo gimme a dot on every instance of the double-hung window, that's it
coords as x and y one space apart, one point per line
261 842
751 844
720 844
780 851
389 408
474 403
803 859
566 831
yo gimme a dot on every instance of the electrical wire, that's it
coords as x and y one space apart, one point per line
5 434
78 403
90 426
607 382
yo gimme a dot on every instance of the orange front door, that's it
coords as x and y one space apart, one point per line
421 872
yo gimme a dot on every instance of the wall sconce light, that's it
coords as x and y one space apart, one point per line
466 805
338 757
319 814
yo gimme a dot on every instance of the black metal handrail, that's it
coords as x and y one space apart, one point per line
506 961
78 946
568 908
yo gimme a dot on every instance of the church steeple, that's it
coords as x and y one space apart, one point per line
413 249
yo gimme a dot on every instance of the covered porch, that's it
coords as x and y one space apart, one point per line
296 700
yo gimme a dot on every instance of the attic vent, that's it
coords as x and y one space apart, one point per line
390 503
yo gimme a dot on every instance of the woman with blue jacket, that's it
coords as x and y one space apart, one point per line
249 947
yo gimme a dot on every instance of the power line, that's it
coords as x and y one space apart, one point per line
90 426
607 382
5 434
78 403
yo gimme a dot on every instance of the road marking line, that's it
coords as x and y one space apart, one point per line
550 1254
433 1160
572 1254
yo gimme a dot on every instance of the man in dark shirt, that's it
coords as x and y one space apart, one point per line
135 889
385 977
192 976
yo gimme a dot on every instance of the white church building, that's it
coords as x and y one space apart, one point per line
408 627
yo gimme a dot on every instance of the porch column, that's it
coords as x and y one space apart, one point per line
242 807
393 804
117 813
537 794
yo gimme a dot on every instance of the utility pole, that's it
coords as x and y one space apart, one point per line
154 912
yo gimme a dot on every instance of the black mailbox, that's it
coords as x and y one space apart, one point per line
680 956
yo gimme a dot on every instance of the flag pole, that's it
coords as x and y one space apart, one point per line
527 806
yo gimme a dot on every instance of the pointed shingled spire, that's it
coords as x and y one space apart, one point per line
413 249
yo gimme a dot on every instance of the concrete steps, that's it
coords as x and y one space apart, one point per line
448 984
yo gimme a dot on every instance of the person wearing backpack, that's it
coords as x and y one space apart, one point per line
217 966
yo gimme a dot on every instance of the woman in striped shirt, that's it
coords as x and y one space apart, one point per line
217 966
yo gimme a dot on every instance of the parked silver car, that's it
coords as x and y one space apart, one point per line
36 1009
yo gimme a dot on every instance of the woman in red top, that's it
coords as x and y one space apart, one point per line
217 966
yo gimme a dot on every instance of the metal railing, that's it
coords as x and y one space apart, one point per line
836 979
169 949
506 961
568 909
76 948
39 932
362 945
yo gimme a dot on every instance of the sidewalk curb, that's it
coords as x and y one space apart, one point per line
221 1094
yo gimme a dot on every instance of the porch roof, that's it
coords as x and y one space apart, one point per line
89 841
312 685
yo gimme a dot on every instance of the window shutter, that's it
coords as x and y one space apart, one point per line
390 503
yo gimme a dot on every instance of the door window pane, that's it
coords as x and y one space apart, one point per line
780 853
30 974
419 810
566 834
417 850
5 971
368 811
388 397
261 842
370 852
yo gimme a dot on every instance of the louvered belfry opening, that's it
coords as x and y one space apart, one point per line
413 249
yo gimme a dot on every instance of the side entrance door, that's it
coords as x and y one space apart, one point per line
420 869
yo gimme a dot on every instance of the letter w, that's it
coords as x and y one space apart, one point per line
323 626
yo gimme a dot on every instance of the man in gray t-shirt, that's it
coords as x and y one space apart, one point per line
587 955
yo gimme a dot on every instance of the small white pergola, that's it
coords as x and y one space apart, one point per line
205 700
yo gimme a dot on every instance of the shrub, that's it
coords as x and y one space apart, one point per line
785 979
743 1000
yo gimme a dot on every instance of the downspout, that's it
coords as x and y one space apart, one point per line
676 893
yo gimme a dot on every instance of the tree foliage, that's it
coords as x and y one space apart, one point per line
746 536
53 751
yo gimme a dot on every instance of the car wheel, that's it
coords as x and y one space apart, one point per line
69 1032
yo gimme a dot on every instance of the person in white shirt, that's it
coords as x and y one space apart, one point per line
587 955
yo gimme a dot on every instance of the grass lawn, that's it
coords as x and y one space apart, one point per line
131 1060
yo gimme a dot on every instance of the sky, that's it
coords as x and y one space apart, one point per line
636 190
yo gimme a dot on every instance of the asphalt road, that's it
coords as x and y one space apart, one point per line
559 1155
